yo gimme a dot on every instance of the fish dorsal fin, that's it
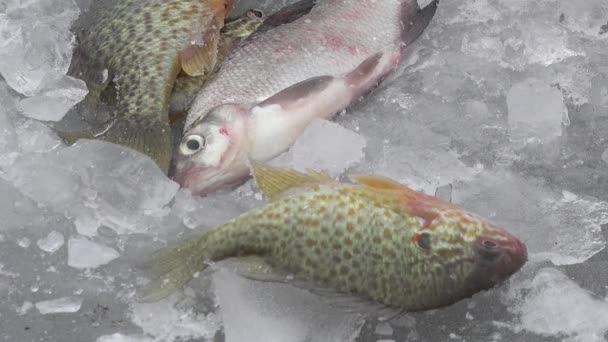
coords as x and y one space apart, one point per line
275 181
199 60
379 182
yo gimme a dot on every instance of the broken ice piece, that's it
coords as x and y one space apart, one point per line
83 253
51 243
53 103
60 305
384 329
444 192
324 146
118 337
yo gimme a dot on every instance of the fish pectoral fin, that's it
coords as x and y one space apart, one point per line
274 181
73 136
294 95
254 268
199 60
413 27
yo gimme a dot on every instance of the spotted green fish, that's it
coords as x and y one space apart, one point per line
140 46
378 240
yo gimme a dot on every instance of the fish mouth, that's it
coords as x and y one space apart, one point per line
496 260
202 181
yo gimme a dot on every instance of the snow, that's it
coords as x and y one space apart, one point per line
501 108
59 305
83 253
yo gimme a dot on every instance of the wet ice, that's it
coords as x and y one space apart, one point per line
501 107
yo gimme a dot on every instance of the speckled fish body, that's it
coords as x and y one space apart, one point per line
140 46
377 240
272 86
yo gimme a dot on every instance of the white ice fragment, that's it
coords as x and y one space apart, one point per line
53 102
60 305
51 243
24 242
25 307
324 146
83 253
536 110
552 304
118 337
605 156
167 321
384 329
272 312
36 42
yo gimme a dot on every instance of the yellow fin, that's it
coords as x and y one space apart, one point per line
198 60
274 181
379 182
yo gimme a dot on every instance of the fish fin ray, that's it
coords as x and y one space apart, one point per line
379 182
413 27
363 71
274 181
172 268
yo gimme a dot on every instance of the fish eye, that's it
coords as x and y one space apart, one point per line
423 240
256 14
489 244
192 144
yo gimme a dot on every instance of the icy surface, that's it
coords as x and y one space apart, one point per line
501 107
324 146
60 305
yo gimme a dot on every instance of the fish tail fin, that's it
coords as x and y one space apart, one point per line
173 268
150 137
414 26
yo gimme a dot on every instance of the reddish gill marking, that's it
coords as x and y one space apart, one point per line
336 42
224 131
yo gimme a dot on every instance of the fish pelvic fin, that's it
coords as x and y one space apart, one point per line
198 60
414 26
172 268
150 137
275 181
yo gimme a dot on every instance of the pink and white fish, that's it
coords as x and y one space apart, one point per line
274 84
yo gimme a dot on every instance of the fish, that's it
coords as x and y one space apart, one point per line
278 80
138 48
372 239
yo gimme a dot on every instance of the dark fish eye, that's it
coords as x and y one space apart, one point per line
256 14
489 244
192 144
423 240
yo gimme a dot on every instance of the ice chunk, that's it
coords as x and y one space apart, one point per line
560 227
83 253
96 183
60 305
258 311
552 304
36 44
324 146
166 321
605 156
53 102
52 242
536 110
384 329
117 337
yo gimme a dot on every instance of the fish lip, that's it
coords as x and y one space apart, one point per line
202 181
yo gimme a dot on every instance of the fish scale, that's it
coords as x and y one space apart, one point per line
356 239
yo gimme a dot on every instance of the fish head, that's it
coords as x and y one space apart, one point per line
213 151
464 254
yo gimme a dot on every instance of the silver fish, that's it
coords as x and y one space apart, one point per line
275 83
